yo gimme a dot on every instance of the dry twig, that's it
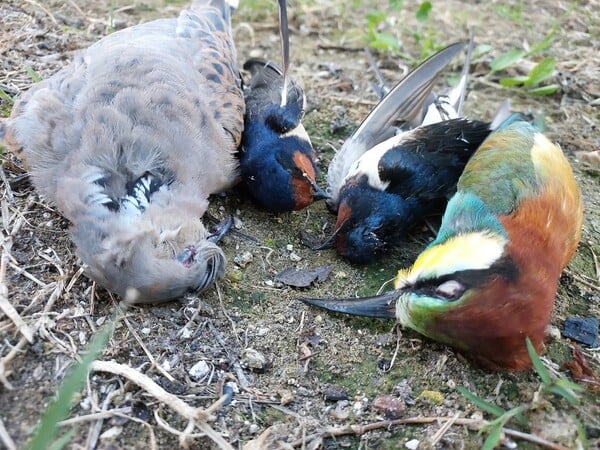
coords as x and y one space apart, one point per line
476 424
196 416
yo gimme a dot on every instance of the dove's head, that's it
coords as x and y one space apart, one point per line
162 254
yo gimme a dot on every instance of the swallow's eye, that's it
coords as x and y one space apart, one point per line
450 290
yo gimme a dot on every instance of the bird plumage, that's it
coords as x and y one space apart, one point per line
277 160
490 277
130 139
389 174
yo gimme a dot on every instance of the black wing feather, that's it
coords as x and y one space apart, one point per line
430 160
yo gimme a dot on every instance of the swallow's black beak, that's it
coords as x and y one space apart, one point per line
328 243
318 193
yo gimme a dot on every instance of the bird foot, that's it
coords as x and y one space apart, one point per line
220 229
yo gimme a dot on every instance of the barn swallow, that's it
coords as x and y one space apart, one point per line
402 161
277 160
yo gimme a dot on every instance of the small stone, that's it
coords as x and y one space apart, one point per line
302 391
145 331
82 338
119 24
451 384
269 283
553 332
286 398
253 428
237 223
582 329
256 53
199 370
244 259
413 444
390 406
295 257
112 432
100 320
254 360
319 319
289 247
359 406
185 333
335 393
341 411
341 275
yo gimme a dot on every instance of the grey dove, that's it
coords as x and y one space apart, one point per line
130 139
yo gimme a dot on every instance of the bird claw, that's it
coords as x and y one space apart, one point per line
220 229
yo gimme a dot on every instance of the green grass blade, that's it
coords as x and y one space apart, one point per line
33 74
513 81
537 363
542 71
481 403
423 12
62 441
507 59
7 98
59 408
493 438
544 90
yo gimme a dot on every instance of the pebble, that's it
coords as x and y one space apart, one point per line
253 359
237 223
295 257
341 411
390 406
112 432
286 398
185 333
413 444
335 393
289 247
244 259
256 53
199 370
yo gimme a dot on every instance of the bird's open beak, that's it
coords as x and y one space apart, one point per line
381 306
318 193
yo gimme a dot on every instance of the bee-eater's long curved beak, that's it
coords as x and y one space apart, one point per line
382 306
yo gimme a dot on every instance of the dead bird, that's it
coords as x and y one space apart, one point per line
130 139
277 160
403 159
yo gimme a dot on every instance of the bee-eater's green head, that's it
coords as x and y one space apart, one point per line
446 276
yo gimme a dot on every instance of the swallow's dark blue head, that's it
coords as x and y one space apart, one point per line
278 164
369 220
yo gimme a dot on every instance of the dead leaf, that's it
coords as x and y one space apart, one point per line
303 277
